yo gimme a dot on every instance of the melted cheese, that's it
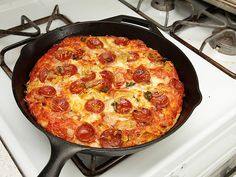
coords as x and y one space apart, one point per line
109 117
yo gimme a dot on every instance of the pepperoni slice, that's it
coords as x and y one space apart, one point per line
85 133
59 104
123 106
133 56
159 100
43 74
94 43
111 138
76 87
78 54
141 74
89 77
94 106
106 85
108 75
143 116
47 91
68 69
121 41
63 55
107 57
177 85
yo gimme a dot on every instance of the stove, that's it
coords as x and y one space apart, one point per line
210 132
215 22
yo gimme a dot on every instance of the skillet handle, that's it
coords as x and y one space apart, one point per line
61 151
136 21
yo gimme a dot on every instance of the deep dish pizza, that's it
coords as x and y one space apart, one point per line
104 91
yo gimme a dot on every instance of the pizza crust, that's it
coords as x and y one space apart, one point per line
139 75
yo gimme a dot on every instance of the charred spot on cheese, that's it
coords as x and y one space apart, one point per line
147 95
104 89
114 104
60 69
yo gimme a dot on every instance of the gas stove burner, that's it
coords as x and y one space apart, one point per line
163 5
92 165
224 42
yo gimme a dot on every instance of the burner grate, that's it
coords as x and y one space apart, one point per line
224 41
91 165
26 23
200 12
163 5
223 38
156 4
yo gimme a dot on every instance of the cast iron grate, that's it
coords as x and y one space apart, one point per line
91 165
221 29
26 23
199 10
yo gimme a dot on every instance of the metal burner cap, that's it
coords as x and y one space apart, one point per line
225 43
163 5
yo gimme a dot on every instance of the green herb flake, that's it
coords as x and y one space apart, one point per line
60 69
75 57
129 84
114 104
148 95
83 39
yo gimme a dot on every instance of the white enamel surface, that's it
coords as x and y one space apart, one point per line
209 132
193 35
7 166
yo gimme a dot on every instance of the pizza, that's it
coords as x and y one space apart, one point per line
104 91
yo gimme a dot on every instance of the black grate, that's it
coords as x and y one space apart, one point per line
199 11
91 165
26 23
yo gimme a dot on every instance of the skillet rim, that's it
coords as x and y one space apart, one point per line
198 95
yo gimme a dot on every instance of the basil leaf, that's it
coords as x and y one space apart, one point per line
129 84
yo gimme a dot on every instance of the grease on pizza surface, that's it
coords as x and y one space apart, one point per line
104 91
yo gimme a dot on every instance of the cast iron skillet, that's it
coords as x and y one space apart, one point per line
62 150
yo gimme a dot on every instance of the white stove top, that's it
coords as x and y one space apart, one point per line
206 140
182 10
